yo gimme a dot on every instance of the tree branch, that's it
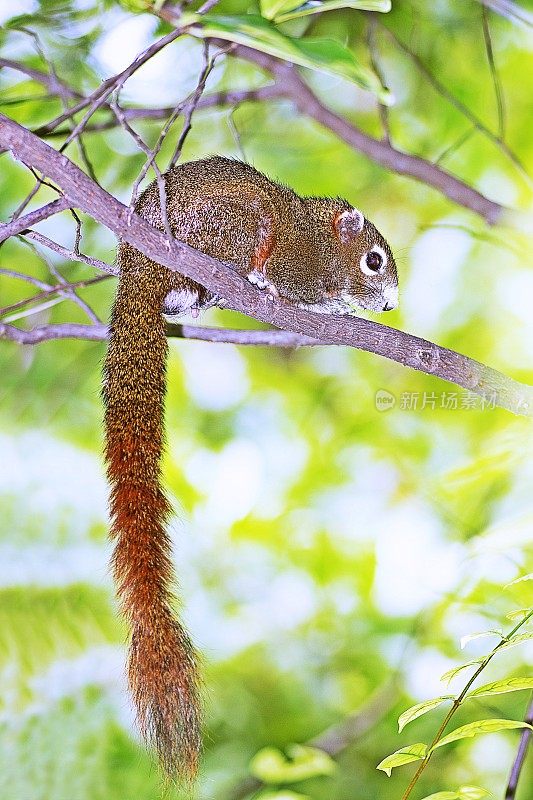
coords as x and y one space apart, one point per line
99 333
99 97
71 255
290 85
232 97
462 108
45 79
45 333
510 10
293 87
242 296
23 223
381 151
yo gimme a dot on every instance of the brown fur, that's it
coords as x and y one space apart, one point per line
162 666
231 212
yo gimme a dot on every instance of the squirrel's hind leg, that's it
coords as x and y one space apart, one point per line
186 300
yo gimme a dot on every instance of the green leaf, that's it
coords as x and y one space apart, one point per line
419 709
502 687
528 577
519 613
481 726
323 55
270 765
283 794
463 793
141 5
293 10
271 8
451 673
471 636
515 640
473 793
413 752
521 637
19 21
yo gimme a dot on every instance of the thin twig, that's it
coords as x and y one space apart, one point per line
189 105
72 255
520 758
39 183
237 138
61 90
40 77
373 52
231 97
151 153
337 738
16 226
64 288
463 109
454 146
22 276
100 332
27 98
192 104
98 98
496 82
207 6
47 291
150 161
32 311
511 10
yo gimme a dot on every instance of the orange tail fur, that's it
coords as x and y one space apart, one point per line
162 669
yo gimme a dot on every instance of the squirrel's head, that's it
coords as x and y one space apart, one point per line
370 280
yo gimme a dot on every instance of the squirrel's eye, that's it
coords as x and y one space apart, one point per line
374 260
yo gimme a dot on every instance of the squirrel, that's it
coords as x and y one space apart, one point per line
317 253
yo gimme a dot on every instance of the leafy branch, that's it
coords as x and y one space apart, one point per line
258 40
277 62
423 752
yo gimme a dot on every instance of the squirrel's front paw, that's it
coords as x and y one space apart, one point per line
260 280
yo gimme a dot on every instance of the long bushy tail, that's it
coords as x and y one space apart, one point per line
162 670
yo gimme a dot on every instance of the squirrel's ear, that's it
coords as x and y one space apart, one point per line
348 225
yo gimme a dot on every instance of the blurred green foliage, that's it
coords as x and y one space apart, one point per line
330 556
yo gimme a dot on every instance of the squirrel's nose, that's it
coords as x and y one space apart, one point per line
389 298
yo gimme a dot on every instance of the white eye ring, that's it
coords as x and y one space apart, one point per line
364 266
